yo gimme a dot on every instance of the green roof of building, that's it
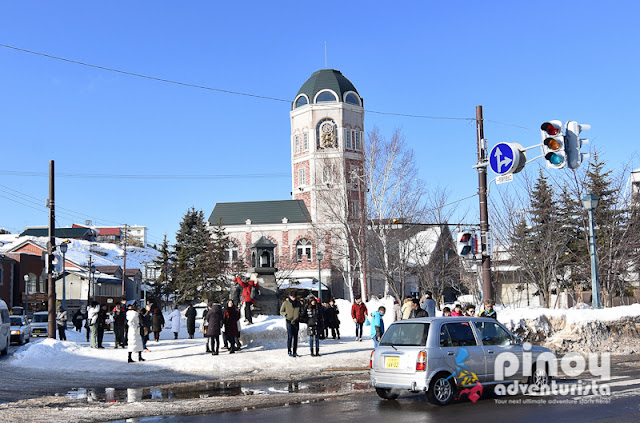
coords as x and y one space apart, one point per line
260 212
60 232
324 79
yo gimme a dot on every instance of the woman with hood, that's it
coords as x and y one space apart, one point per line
230 319
214 323
61 321
157 322
134 339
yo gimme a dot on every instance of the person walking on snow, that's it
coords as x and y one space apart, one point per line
157 322
92 321
291 309
214 323
359 314
175 322
230 319
61 322
314 326
429 304
77 320
377 326
333 322
248 296
134 339
190 314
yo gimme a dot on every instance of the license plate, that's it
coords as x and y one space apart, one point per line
392 362
37 331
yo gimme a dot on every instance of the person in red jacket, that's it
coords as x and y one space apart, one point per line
359 314
246 297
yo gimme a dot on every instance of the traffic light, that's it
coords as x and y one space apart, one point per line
466 243
573 143
552 145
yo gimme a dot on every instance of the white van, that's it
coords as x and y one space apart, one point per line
5 328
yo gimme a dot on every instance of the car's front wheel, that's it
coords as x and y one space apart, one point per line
21 340
387 393
441 389
6 349
539 377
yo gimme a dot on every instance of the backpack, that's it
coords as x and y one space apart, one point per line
254 292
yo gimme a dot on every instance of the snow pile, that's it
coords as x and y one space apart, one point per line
579 329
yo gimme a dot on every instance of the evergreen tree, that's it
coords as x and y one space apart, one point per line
161 287
219 263
614 238
195 277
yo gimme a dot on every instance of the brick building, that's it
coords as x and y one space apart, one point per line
327 156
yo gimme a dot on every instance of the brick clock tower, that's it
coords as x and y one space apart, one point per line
327 143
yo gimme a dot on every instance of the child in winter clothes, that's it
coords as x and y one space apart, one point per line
488 310
457 311
377 326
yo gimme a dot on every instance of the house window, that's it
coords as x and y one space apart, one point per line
231 252
305 141
302 177
357 142
355 209
351 98
326 96
296 143
348 144
303 247
301 101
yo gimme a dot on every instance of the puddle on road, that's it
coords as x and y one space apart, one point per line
207 390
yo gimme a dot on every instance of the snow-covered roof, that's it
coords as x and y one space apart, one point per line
309 284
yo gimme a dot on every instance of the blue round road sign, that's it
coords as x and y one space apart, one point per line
501 158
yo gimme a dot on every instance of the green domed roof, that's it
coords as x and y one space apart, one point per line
326 79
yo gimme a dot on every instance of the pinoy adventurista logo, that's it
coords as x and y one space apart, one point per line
466 378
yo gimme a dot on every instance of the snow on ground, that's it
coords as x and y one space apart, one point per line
264 343
264 350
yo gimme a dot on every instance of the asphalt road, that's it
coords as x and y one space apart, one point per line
623 405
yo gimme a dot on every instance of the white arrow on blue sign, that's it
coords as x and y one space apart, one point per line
504 158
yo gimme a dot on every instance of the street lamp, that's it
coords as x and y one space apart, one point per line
319 256
590 203
63 250
26 294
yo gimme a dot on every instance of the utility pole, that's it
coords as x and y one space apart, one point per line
487 288
50 248
89 280
124 264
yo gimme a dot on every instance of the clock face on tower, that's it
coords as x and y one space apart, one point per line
327 136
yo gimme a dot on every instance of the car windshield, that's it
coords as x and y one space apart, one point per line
40 318
406 334
16 321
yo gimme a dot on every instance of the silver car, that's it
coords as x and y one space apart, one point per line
443 356
20 329
40 323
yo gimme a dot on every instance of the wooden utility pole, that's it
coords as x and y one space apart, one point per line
51 245
124 264
487 288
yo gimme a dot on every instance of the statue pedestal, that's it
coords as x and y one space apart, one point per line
267 302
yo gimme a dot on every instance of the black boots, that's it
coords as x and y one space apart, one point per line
140 356
130 359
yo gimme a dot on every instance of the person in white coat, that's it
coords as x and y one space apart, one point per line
175 322
134 339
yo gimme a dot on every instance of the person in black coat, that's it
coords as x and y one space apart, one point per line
102 323
77 319
157 322
214 323
333 322
314 326
190 314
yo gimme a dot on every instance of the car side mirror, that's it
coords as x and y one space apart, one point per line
29 320
516 340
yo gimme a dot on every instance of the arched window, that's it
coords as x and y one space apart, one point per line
303 247
327 134
301 101
231 252
351 98
326 96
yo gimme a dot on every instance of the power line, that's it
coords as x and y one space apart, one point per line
204 87
147 177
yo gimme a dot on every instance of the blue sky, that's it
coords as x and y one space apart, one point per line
524 62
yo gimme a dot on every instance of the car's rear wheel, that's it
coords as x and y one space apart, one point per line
387 393
441 389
